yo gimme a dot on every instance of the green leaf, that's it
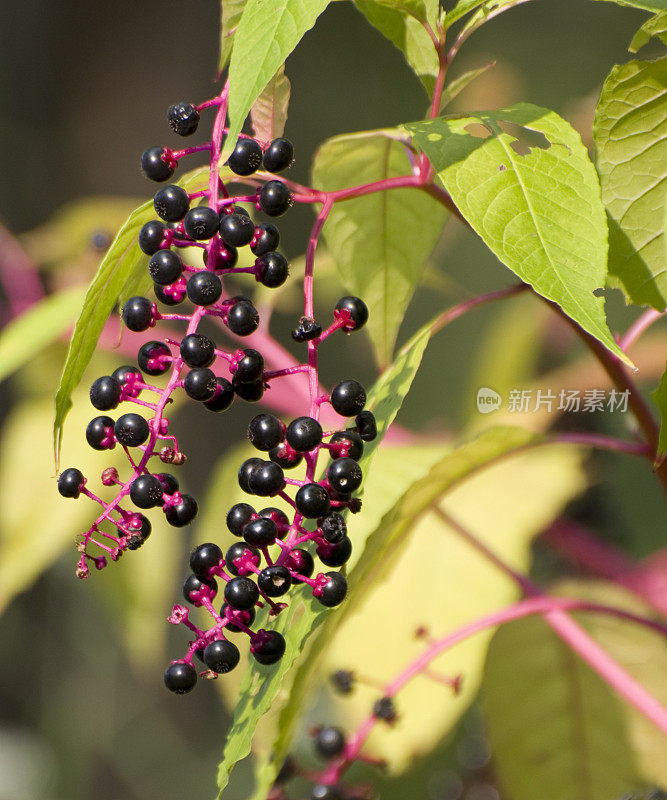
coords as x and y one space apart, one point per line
408 34
385 398
230 16
119 268
595 746
659 397
267 33
647 5
630 130
522 179
45 322
656 26
269 111
367 235
455 87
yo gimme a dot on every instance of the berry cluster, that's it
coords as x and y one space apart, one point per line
274 551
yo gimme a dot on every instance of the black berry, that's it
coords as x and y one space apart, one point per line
168 481
307 330
236 229
334 590
344 475
278 155
268 647
274 581
200 384
357 309
366 425
246 157
385 709
204 288
171 203
333 527
168 298
241 593
197 350
348 443
250 367
127 375
330 742
204 558
165 267
221 656
155 166
348 398
105 393
252 392
244 617
237 550
183 512
275 514
275 198
304 434
99 433
146 491
138 535
242 317
260 532
267 480
301 562
285 456
265 431
223 397
201 223
246 471
70 482
137 314
131 430
335 555
312 500
152 358
150 237
271 270
183 118
266 238
238 516
180 677
194 588
342 681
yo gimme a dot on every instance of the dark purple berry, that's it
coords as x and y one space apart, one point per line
334 590
70 482
285 456
265 431
268 647
204 288
150 237
330 742
252 392
131 430
180 677
348 398
246 618
138 535
99 433
335 555
267 480
312 500
146 491
242 317
241 593
357 309
221 656
153 358
105 393
165 267
154 166
183 512
250 367
333 527
275 198
223 397
171 203
278 155
200 384
266 239
260 532
127 375
246 157
183 118
169 482
348 443
223 258
366 425
307 330
201 223
238 550
236 229
197 350
344 475
167 298
385 709
301 562
271 270
246 471
275 514
194 588
342 681
274 581
304 434
137 314
204 558
238 516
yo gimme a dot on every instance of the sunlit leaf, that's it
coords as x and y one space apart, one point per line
656 27
230 16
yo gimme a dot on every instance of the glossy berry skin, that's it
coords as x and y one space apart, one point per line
330 742
357 309
180 677
238 516
349 441
244 617
312 500
267 480
154 166
225 257
201 223
334 591
241 593
260 532
223 397
348 398
137 314
150 358
204 558
165 267
285 457
246 471
333 527
271 270
274 581
236 229
302 562
127 375
97 432
70 482
344 475
246 157
266 239
163 297
269 647
105 393
146 491
200 384
183 118
323 791
278 155
275 198
150 237
183 512
250 367
168 481
242 318
131 430
307 330
221 656
303 434
236 551
197 350
204 288
335 555
265 431
366 425
252 392
275 514
194 588
139 535
171 203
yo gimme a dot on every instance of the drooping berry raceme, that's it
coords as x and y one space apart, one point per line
274 551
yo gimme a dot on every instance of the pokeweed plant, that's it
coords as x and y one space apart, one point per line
522 180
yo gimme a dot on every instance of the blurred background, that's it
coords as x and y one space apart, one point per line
85 88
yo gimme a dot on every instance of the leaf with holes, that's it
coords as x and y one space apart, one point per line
630 131
523 181
269 112
380 241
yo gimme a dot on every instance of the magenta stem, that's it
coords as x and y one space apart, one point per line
603 442
642 323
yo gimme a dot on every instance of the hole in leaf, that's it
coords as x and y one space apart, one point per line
478 130
525 139
501 168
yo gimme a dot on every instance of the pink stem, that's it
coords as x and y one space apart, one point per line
638 327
